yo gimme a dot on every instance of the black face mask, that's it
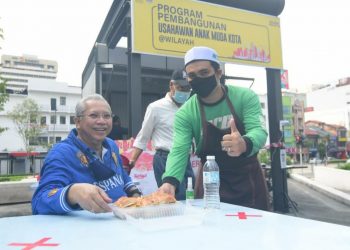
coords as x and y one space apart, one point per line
203 86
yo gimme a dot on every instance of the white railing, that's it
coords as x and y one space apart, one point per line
63 109
58 128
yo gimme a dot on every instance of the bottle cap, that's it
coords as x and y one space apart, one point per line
189 183
210 157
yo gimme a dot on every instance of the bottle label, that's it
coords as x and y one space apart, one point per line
211 177
189 195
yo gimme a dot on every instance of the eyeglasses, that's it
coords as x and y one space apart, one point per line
95 116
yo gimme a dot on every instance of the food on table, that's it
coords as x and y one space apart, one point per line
156 198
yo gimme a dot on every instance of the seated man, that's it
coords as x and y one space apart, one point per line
85 170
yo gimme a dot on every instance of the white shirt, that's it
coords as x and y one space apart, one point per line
158 125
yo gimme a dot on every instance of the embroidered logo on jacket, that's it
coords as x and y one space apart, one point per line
82 158
114 156
52 192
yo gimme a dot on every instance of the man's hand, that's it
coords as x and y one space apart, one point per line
233 143
89 197
167 188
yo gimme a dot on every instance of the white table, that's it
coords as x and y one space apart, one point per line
259 231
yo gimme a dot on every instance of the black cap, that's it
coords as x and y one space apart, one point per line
179 77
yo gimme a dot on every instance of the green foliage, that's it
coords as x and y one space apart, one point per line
345 166
1 34
333 161
25 115
321 148
307 143
264 156
4 178
3 95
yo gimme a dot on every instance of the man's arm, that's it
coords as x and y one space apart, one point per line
136 152
51 195
57 194
144 135
178 157
254 123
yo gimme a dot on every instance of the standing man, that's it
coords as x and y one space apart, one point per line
85 170
117 132
225 121
158 127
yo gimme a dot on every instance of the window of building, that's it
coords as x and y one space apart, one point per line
17 90
53 119
51 67
53 104
42 140
62 120
63 101
342 133
262 105
71 120
53 140
43 120
33 141
38 141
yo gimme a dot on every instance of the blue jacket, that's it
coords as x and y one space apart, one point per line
65 165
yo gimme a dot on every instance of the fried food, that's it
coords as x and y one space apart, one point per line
127 201
156 198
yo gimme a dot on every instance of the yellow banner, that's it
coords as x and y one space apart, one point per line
170 28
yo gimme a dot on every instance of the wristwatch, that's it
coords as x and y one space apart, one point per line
131 164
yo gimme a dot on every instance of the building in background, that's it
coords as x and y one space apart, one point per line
330 103
18 69
293 104
30 77
332 136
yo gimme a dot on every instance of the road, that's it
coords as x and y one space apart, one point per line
317 206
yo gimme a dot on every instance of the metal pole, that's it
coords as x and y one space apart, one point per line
134 87
279 176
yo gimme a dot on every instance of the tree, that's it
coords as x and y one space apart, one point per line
1 34
3 98
321 148
264 156
25 115
3 95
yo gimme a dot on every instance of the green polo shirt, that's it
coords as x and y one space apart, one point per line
187 125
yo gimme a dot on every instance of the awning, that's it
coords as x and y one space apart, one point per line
23 154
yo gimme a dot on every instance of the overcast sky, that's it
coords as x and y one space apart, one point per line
315 37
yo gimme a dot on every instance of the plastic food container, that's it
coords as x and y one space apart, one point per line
161 217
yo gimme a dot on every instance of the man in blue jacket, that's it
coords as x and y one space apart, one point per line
85 170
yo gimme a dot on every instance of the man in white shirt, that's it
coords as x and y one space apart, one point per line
158 127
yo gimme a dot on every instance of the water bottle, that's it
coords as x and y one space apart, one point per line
211 183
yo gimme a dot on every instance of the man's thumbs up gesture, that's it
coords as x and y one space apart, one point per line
233 143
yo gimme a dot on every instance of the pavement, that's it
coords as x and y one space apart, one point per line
315 205
312 200
316 201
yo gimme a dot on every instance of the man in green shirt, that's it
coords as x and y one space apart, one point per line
225 121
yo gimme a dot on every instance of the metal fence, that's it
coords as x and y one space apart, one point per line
10 165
